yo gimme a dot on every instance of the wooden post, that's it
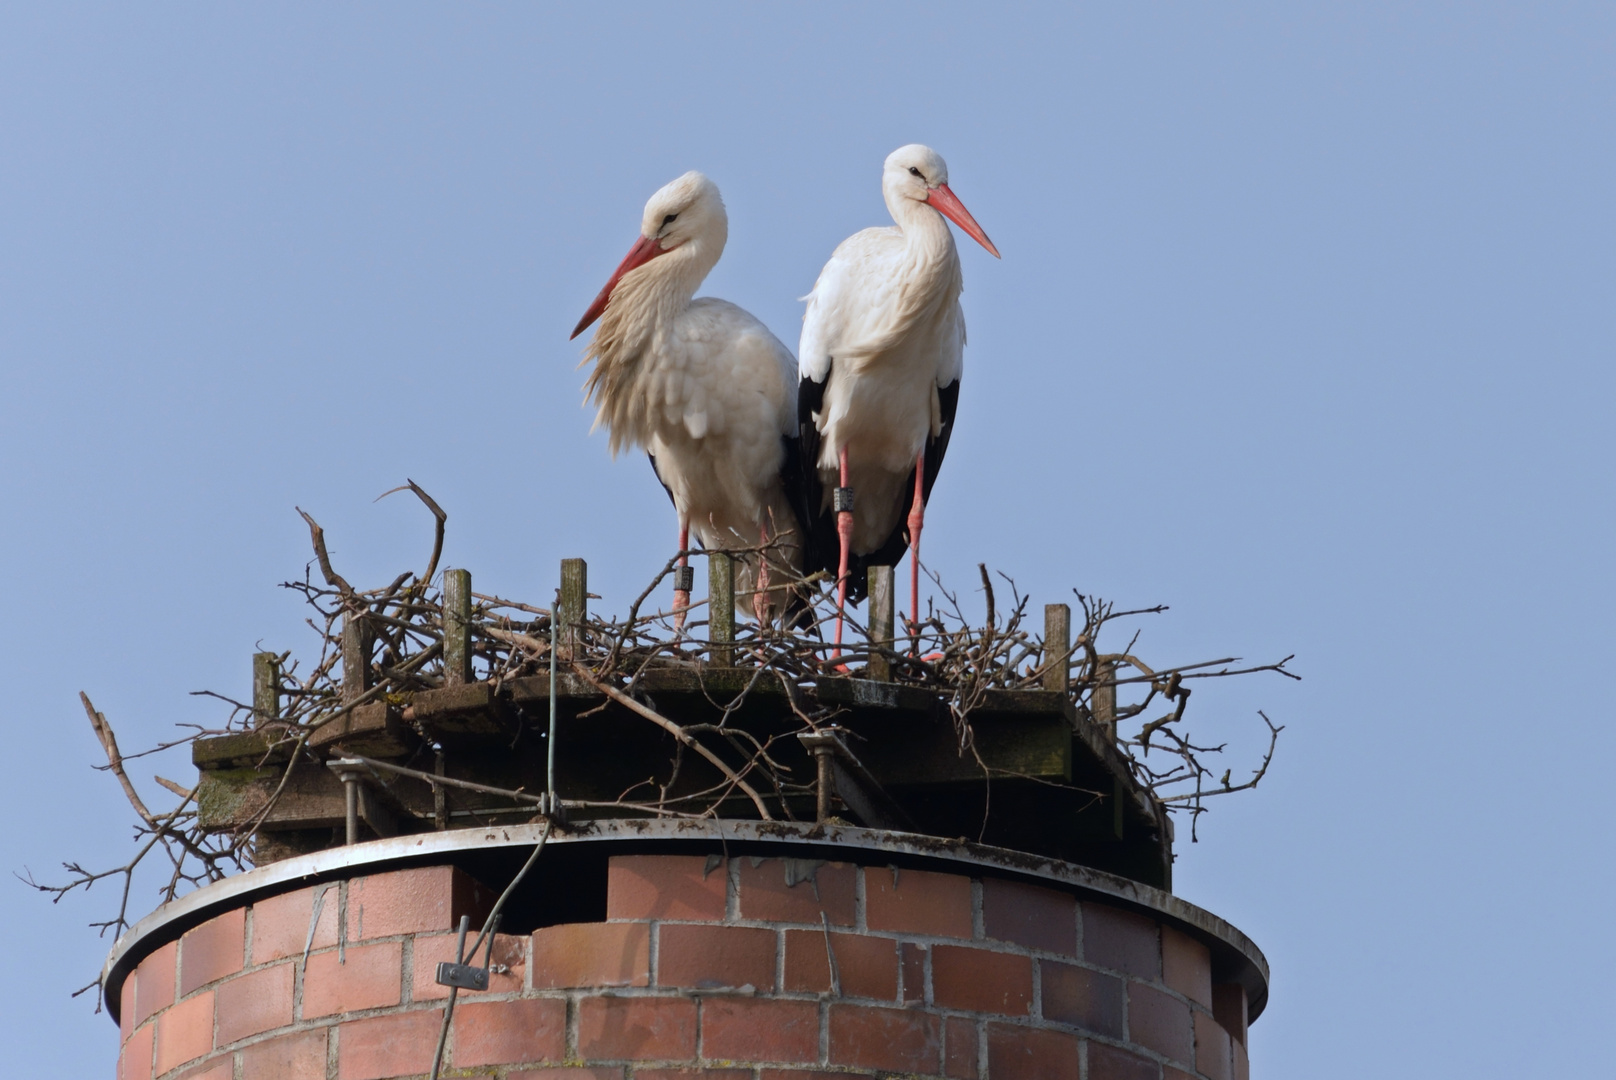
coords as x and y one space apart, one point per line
457 627
1103 698
721 607
266 688
1057 647
358 639
572 608
882 602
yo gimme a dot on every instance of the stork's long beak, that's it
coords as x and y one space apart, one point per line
946 203
644 250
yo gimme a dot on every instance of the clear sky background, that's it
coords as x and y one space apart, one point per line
1304 327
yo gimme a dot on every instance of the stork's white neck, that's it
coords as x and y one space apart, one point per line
932 259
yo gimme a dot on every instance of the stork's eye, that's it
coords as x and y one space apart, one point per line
669 219
915 172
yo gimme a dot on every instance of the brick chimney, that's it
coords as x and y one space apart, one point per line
648 950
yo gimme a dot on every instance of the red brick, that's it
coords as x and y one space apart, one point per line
431 948
154 988
759 1029
918 902
1026 1053
900 1040
1186 966
798 1074
256 1002
221 1068
1083 998
867 967
281 923
185 1032
1121 940
765 895
564 1073
708 957
510 1032
665 887
697 1073
300 1056
912 967
1160 1022
371 978
1109 1063
126 1006
1229 1006
1028 915
981 981
960 1050
592 954
135 1059
414 901
400 1044
213 950
645 1028
1211 1048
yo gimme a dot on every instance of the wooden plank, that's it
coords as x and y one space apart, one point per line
881 604
572 604
930 754
1057 647
357 643
266 688
721 608
238 750
375 730
457 627
861 694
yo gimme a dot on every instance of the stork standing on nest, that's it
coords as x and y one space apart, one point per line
883 346
704 388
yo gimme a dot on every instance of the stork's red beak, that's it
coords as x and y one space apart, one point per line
947 204
644 250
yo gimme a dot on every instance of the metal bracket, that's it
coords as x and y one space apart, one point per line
464 976
362 802
841 774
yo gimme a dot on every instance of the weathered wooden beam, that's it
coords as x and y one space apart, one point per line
374 730
881 606
358 639
266 688
1103 698
457 627
572 606
721 607
1057 647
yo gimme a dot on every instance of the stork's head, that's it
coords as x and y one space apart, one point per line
685 215
917 173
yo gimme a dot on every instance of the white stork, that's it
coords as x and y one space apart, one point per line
883 345
703 387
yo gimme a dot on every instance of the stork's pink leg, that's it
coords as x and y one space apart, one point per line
760 599
917 521
681 581
844 532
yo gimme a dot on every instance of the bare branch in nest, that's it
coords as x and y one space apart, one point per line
437 538
317 537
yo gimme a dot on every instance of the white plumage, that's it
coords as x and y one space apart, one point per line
701 385
883 348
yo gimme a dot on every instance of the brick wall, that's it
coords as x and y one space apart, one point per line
724 972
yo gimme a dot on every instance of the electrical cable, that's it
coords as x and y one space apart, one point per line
487 935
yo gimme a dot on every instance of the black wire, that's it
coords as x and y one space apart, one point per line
486 935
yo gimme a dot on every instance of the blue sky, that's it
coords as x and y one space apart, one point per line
1303 327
